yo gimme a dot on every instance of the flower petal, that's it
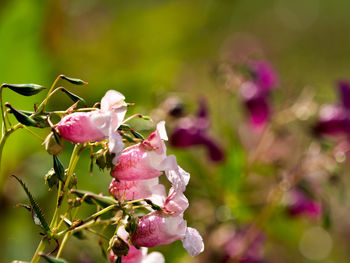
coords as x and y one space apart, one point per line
193 242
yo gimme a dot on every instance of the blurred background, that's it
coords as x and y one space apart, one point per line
166 56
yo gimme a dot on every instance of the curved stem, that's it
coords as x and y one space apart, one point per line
42 105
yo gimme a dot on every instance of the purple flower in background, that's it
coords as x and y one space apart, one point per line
193 131
255 92
264 75
300 203
335 119
252 252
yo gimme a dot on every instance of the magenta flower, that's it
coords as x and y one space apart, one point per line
264 75
235 246
299 203
98 125
191 132
255 92
334 120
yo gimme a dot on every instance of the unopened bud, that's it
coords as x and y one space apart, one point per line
51 145
119 246
51 178
101 159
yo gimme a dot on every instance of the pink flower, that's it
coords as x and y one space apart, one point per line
158 228
80 127
139 256
148 160
166 226
143 161
141 189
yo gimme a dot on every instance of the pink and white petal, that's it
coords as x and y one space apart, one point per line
175 174
157 138
136 189
176 202
154 257
79 127
113 103
162 131
101 120
134 256
193 242
133 165
156 229
115 145
112 100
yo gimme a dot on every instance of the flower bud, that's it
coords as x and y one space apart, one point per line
119 246
51 178
101 159
51 145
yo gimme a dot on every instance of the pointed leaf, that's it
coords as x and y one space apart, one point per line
36 209
74 97
74 80
58 167
53 259
137 134
24 89
125 127
22 117
92 198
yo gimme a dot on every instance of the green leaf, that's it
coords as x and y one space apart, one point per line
35 207
92 198
58 167
119 260
73 97
22 117
53 259
74 80
125 127
24 89
137 134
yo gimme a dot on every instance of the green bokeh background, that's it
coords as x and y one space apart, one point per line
147 50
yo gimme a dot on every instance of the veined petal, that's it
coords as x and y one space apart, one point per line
156 229
175 174
193 242
81 127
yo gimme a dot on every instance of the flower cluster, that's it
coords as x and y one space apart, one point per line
136 171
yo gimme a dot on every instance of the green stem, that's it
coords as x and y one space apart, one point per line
60 195
40 248
64 241
42 105
2 144
4 128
